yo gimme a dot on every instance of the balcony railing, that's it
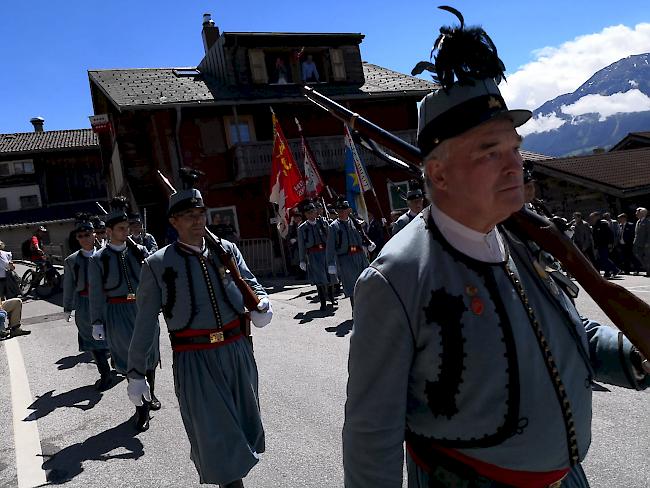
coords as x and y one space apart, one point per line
254 158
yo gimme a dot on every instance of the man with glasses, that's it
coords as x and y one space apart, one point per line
75 297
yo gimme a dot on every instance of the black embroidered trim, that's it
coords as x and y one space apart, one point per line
169 278
75 269
193 310
446 311
106 262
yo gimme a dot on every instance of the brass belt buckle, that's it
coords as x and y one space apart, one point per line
130 296
216 337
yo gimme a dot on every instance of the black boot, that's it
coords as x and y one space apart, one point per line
105 380
330 294
234 484
321 297
154 404
142 417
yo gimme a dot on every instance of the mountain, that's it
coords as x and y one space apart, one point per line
609 105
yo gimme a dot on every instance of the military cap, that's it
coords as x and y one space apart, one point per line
308 206
184 200
341 205
134 217
414 194
83 223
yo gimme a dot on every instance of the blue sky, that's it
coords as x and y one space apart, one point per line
49 45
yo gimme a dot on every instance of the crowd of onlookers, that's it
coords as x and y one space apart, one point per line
614 246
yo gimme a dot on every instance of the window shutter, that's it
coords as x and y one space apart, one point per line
338 65
258 66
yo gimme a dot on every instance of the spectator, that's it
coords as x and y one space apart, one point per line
309 70
603 240
642 238
13 309
625 240
583 238
37 244
376 234
6 265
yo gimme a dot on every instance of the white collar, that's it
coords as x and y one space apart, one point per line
312 222
196 249
488 247
115 247
87 253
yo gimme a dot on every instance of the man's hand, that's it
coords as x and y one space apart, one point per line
331 270
137 389
263 317
98 332
303 265
372 246
68 316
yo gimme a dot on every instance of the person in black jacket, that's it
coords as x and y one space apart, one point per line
603 239
625 245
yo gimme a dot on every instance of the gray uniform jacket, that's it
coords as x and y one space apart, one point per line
444 352
75 297
312 240
148 241
216 388
342 235
402 222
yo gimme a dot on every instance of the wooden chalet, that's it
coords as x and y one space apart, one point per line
216 117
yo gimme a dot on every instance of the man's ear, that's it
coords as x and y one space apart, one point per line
435 170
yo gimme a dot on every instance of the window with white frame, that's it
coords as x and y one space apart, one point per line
397 194
21 167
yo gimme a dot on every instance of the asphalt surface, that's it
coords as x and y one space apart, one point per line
87 437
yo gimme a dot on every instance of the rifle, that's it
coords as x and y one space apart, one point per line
130 243
251 300
628 312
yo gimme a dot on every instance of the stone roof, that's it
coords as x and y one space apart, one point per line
156 87
621 171
51 140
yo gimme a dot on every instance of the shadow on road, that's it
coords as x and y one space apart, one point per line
71 361
83 398
342 329
310 315
598 387
64 465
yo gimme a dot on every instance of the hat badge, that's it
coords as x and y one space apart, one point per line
194 200
494 103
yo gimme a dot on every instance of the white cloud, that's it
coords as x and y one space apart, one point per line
606 106
562 69
541 123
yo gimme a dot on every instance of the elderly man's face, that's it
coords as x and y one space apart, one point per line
480 181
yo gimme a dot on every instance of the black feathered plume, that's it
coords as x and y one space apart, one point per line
463 54
189 176
119 203
81 217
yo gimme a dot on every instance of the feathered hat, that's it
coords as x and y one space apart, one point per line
83 222
468 69
119 211
189 197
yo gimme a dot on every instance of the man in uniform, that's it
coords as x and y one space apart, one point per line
414 201
114 275
462 345
344 249
100 232
312 241
215 375
75 297
139 235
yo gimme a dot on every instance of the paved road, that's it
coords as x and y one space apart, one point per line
87 439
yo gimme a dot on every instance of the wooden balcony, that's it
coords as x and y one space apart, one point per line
253 159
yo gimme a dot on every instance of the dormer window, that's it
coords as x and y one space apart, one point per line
285 66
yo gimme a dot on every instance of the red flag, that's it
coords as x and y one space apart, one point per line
313 181
287 184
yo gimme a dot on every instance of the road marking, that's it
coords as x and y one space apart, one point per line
29 456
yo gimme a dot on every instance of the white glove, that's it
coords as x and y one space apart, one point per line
383 221
137 389
292 241
68 316
372 246
98 332
303 265
331 270
263 318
